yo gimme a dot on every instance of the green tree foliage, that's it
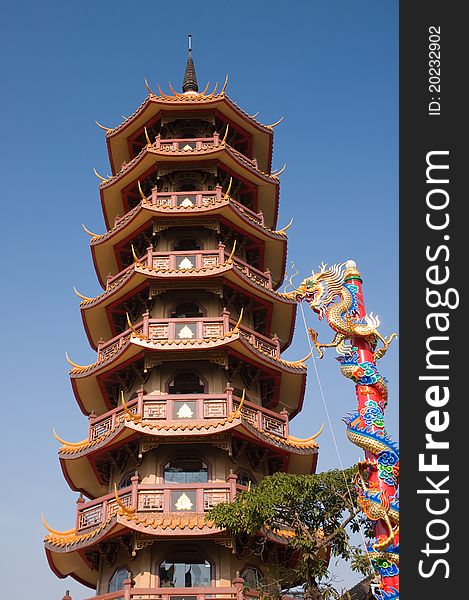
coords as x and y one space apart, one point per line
319 509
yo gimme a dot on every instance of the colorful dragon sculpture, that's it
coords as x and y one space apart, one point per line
335 293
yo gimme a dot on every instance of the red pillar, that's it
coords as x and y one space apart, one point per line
364 394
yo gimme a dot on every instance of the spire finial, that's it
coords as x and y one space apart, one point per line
190 78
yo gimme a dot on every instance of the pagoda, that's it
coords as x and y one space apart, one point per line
189 400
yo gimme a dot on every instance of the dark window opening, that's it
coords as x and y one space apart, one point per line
186 310
245 478
126 481
186 469
184 244
185 574
186 383
116 582
252 577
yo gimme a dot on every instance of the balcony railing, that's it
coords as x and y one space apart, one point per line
237 592
199 328
187 407
156 498
169 593
183 260
193 200
191 144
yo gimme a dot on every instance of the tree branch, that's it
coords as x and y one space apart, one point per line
330 537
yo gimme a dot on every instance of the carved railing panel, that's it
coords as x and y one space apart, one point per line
168 498
175 407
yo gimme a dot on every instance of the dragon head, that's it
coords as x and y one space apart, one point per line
319 289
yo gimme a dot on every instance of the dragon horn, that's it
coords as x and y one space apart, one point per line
74 365
226 135
276 123
148 88
65 443
124 404
135 257
106 129
147 137
224 85
254 115
227 193
142 195
126 509
161 93
310 439
285 228
230 258
279 172
205 89
100 176
129 323
236 327
291 282
81 295
238 410
55 531
172 89
134 331
303 360
90 232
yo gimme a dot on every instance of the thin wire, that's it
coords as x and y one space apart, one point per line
333 435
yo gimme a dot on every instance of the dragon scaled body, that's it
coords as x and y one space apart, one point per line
335 294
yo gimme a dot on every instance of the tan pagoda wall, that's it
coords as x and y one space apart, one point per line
215 378
145 566
220 465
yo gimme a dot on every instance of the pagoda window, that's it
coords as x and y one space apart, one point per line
186 383
245 478
187 186
186 310
192 572
186 469
126 481
116 582
252 577
184 129
187 243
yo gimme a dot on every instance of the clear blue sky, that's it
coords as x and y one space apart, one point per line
329 66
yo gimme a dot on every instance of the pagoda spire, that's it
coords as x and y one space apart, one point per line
190 78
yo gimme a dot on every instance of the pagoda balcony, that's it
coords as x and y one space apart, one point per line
196 328
239 592
187 407
184 260
191 144
193 200
156 498
172 593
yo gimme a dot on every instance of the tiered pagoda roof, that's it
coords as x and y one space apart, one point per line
150 258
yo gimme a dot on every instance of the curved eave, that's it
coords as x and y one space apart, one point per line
267 185
262 136
95 316
103 247
72 564
66 554
80 475
159 525
89 395
78 466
